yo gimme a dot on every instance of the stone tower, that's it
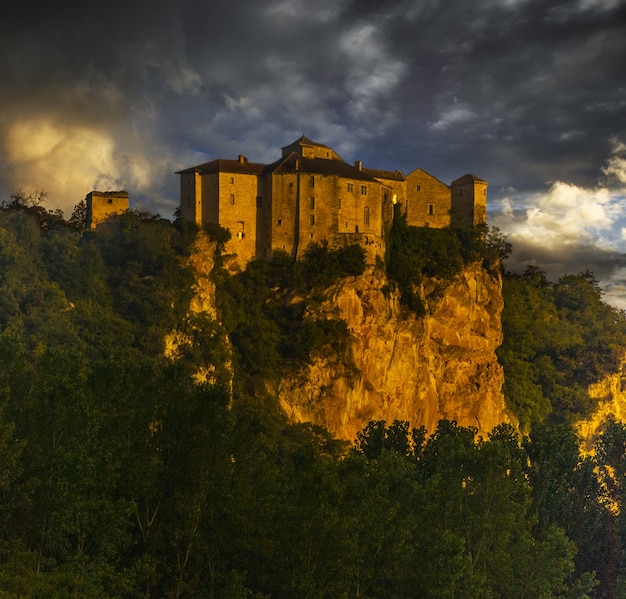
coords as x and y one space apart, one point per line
469 200
103 204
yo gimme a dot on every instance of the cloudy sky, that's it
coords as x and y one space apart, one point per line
527 94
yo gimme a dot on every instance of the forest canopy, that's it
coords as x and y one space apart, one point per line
121 476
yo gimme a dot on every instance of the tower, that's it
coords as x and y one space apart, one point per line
103 204
469 201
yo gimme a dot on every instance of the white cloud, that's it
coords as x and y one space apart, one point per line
453 115
616 169
69 161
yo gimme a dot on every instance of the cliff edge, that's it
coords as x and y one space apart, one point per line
399 366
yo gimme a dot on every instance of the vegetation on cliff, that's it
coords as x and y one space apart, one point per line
122 477
414 254
559 337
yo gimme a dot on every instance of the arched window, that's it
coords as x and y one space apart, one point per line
366 215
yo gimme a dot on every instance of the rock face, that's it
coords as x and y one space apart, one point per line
397 366
610 393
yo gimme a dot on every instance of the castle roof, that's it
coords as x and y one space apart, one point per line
222 165
382 174
305 141
321 166
469 178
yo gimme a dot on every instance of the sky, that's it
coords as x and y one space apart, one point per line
529 95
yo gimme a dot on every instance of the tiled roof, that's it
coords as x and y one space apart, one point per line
381 174
469 178
319 166
306 141
222 165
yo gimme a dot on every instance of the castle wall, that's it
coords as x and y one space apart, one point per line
318 209
284 210
237 211
428 201
191 197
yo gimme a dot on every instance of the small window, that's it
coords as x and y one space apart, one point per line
363 190
312 181
312 203
431 209
312 219
232 179
350 187
366 215
279 222
240 235
339 203
232 199
110 201
418 188
290 184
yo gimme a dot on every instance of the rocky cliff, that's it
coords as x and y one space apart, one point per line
398 366
395 365
610 393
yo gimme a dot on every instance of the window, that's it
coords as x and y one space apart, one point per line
363 190
232 199
366 215
279 222
312 219
240 235
312 181
431 209
339 203
232 179
290 184
350 187
110 201
312 203
418 188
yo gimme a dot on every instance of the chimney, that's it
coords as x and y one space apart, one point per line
358 164
242 159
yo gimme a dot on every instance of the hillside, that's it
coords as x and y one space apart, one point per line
306 428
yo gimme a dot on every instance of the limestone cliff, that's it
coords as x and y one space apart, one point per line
398 366
395 365
610 393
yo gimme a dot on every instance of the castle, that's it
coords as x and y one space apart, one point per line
311 195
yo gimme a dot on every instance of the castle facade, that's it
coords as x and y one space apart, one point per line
311 195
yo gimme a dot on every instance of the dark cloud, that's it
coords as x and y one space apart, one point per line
524 93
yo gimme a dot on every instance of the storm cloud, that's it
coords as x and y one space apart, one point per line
527 94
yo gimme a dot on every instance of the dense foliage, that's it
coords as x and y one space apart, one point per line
122 477
558 338
416 253
274 306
